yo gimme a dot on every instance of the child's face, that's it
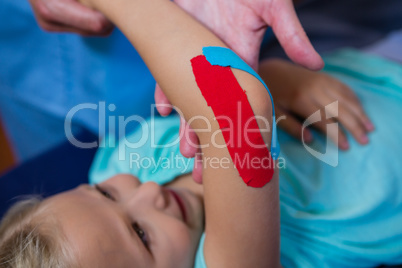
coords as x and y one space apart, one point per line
111 225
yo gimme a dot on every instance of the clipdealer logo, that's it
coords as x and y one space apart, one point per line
329 156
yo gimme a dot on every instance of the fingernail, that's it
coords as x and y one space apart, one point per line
369 126
364 139
163 111
344 145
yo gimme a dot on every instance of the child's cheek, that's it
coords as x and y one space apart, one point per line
179 245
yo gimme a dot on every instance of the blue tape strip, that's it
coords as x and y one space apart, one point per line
225 57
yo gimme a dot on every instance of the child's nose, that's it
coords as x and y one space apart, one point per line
150 195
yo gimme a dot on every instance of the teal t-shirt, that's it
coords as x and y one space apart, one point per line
349 215
151 153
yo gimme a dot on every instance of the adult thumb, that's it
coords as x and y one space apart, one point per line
291 35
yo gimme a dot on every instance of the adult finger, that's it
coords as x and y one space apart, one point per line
73 14
197 170
59 28
189 143
291 35
162 103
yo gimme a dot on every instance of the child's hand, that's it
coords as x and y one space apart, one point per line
298 93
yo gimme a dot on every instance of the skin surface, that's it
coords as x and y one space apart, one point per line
98 222
298 93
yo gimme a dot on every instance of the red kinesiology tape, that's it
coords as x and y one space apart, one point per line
225 96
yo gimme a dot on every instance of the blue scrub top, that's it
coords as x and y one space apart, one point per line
44 75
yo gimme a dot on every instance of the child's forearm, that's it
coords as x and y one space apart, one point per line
167 39
242 223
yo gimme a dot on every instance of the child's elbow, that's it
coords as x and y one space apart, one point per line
261 104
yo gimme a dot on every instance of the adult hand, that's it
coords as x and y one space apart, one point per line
241 24
298 93
70 16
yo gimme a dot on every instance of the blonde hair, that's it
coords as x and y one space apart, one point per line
28 238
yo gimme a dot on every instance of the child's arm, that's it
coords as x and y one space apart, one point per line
242 223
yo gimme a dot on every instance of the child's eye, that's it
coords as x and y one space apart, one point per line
104 192
141 234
